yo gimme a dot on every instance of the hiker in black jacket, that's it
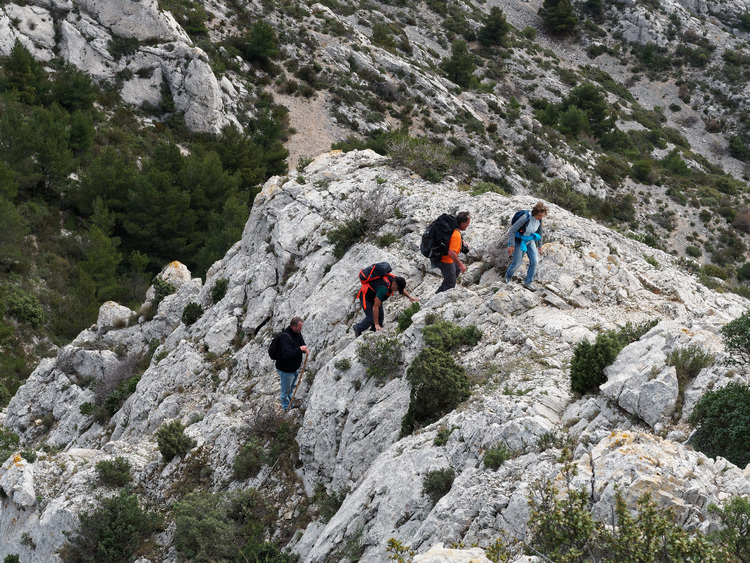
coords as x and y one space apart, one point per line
292 348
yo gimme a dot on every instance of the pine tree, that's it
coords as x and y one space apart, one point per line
495 28
460 65
558 16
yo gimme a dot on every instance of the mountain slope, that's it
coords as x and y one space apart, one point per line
215 377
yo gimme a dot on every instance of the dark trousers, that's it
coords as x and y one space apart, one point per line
367 322
450 274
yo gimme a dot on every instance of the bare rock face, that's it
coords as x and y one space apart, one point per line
215 375
86 28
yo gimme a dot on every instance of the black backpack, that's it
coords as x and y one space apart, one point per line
274 349
436 237
517 215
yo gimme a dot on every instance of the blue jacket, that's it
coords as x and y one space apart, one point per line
514 235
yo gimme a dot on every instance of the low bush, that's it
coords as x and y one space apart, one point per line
562 528
24 307
226 527
438 385
8 443
112 532
5 396
404 319
589 360
428 158
113 473
381 356
347 235
438 483
733 535
328 503
249 460
722 421
446 336
219 290
191 313
736 336
495 456
343 364
688 362
172 440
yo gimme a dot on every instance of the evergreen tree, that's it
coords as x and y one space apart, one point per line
495 28
24 75
260 43
51 136
590 99
558 16
13 228
73 89
100 265
460 65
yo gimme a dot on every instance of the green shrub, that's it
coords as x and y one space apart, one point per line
347 235
8 443
693 251
589 361
381 356
424 156
219 290
562 528
495 456
328 503
29 455
404 319
162 288
438 385
13 558
5 396
24 307
688 362
250 459
87 408
447 336
485 187
722 421
191 313
438 483
343 364
733 535
386 240
442 436
111 532
225 527
737 338
113 473
172 440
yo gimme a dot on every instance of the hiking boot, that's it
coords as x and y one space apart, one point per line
357 332
529 286
507 280
295 404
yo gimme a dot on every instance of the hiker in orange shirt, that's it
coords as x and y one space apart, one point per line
450 265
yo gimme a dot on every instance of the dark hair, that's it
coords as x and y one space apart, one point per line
463 217
295 321
539 208
401 283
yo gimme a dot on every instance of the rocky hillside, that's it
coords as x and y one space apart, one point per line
493 92
213 375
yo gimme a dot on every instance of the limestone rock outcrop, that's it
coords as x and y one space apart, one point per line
215 376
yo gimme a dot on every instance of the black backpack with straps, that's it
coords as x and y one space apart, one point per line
274 349
436 237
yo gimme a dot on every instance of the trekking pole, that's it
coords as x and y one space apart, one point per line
299 379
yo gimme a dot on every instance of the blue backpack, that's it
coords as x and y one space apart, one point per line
517 215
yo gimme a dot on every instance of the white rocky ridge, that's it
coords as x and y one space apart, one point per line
215 376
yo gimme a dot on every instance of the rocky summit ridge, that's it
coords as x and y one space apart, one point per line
215 377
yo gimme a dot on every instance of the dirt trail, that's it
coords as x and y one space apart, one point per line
315 129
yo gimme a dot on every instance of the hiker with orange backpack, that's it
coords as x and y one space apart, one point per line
378 284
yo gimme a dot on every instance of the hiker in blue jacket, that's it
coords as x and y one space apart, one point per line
524 236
